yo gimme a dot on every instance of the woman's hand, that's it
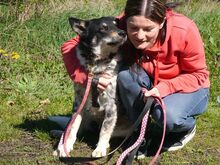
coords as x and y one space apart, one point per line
152 92
104 81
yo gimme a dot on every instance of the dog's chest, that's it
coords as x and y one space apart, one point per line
108 96
103 98
108 66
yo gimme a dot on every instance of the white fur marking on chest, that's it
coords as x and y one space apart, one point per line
97 50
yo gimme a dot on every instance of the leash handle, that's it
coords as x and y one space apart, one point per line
68 128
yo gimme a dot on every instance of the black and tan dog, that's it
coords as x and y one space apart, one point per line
97 51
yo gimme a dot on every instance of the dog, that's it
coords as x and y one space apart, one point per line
98 52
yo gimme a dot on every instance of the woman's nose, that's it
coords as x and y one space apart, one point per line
140 34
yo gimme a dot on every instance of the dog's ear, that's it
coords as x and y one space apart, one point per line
78 25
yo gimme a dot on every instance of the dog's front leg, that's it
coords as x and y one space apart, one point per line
106 130
71 139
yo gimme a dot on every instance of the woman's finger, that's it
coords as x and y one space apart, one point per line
106 75
152 92
104 81
101 88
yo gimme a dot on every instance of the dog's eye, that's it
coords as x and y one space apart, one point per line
104 27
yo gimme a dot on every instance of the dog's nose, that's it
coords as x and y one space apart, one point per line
122 33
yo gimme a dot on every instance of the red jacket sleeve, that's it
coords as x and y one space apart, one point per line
77 73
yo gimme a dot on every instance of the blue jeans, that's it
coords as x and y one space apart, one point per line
181 108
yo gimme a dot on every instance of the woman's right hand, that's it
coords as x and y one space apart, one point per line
153 92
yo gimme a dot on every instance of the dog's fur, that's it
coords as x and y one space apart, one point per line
97 51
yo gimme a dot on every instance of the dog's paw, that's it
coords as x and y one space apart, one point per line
60 152
55 153
64 150
100 151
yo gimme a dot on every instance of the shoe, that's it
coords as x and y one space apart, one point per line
179 144
140 155
56 133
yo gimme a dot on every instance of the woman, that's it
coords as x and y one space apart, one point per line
169 50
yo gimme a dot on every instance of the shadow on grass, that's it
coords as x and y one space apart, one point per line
46 126
38 125
41 125
90 138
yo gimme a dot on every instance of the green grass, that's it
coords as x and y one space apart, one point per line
36 85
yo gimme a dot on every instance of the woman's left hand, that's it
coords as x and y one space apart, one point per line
152 92
104 81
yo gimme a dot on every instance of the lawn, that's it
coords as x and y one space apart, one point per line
34 83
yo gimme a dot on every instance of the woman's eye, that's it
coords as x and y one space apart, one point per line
133 28
147 29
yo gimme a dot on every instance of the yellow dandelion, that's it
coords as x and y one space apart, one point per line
5 54
15 55
2 51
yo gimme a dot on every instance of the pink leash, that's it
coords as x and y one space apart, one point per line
142 134
66 133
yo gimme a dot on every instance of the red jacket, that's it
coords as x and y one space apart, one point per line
179 62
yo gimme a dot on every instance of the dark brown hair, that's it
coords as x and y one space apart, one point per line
155 10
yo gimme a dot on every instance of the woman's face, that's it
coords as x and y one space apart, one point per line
142 32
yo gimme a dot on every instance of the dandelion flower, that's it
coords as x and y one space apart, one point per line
2 51
5 54
15 55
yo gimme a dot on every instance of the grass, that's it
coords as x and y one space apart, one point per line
36 85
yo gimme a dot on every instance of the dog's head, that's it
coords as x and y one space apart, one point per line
99 38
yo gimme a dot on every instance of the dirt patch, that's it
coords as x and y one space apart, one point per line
27 149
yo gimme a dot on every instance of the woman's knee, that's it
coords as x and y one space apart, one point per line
128 85
174 121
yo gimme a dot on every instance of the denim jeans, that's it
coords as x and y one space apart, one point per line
181 108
